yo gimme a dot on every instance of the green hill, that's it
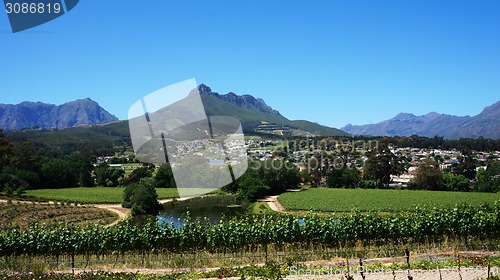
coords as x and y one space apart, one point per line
108 138
252 111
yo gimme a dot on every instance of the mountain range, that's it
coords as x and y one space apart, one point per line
485 124
50 116
251 111
255 115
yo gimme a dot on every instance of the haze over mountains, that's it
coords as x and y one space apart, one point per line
48 116
485 124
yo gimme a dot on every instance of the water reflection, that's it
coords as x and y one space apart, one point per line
208 209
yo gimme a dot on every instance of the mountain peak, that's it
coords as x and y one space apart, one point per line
37 114
204 89
432 114
244 101
402 116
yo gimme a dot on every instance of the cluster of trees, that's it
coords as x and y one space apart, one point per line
24 166
140 188
375 172
141 197
430 177
262 178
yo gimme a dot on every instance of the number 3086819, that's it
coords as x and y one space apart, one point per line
32 8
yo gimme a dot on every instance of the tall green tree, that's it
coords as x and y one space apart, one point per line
466 165
164 177
456 183
137 174
107 176
428 177
343 178
381 164
59 173
141 197
251 186
488 180
279 175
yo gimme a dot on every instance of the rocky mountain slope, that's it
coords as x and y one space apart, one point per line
48 116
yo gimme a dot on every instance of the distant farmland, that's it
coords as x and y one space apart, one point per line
93 195
346 200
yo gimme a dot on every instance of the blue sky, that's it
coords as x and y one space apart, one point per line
332 62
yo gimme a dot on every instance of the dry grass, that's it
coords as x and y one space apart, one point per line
22 214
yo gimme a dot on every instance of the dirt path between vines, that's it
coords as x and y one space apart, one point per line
273 203
320 270
123 213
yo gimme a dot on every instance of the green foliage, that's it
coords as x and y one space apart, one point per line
279 175
138 174
141 197
265 178
107 176
102 139
381 164
488 180
30 167
9 190
59 173
20 191
428 177
437 142
5 149
343 178
369 184
346 200
245 234
260 207
164 177
466 165
251 187
456 183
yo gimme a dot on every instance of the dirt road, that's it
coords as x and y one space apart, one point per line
273 203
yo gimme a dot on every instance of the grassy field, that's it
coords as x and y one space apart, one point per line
345 200
92 195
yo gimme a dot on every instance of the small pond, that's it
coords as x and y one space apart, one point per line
206 209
